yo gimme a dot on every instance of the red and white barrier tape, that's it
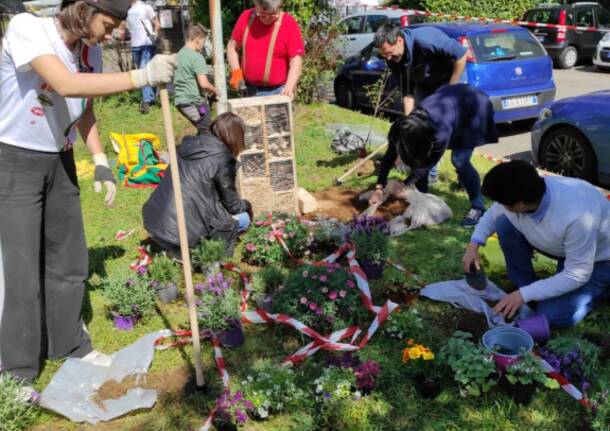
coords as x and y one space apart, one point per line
455 17
541 171
564 383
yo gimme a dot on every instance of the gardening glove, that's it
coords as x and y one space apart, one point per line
103 175
159 71
237 82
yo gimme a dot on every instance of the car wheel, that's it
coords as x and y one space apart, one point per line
566 151
568 58
344 95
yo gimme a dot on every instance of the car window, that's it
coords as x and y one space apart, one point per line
352 25
490 47
584 18
603 18
410 19
373 22
543 16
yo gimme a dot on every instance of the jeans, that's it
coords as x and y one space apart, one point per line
561 311
243 219
254 91
140 56
467 175
198 115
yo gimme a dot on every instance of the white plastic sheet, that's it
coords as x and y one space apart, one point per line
459 294
70 392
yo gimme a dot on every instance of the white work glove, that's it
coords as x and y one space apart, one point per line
103 175
159 71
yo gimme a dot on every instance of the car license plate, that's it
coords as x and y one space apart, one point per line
519 102
540 37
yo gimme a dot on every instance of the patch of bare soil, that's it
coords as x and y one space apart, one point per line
343 204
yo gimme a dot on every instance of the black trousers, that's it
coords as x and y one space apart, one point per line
43 260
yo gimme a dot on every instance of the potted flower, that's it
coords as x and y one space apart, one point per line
420 360
272 389
327 235
219 310
130 300
396 287
208 255
523 377
265 283
232 410
366 372
371 237
473 366
335 384
325 298
261 245
403 322
164 274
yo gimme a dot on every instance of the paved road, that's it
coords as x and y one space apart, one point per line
515 142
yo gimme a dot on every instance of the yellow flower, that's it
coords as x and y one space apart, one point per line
415 352
428 356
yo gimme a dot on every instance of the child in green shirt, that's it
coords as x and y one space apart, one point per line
190 79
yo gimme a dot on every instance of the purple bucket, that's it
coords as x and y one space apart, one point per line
233 337
537 326
373 270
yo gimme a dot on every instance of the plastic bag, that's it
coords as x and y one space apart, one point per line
71 390
360 131
459 294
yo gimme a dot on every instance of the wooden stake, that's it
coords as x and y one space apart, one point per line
360 163
184 247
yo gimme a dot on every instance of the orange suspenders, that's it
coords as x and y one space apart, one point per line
272 42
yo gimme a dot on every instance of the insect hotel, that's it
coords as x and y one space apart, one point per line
267 176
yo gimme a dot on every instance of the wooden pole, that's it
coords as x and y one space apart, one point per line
360 163
220 77
184 247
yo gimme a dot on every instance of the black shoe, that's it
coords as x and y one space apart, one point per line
144 107
473 217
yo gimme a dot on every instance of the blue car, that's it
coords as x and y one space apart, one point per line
506 62
572 137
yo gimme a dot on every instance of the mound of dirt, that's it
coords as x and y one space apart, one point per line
343 204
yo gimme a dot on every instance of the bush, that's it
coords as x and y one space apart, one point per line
207 253
219 306
163 271
481 8
404 323
268 279
16 410
368 413
130 296
325 298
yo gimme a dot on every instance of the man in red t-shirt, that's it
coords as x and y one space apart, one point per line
271 49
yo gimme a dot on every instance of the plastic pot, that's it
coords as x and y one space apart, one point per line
427 388
232 337
537 326
507 344
265 302
168 293
476 278
372 270
225 426
124 323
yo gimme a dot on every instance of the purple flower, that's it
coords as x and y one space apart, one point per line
323 278
332 295
241 416
199 287
142 270
350 284
319 312
313 306
326 395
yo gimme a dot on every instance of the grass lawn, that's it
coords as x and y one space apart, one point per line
431 254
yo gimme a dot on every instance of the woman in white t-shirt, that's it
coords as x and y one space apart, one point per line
49 71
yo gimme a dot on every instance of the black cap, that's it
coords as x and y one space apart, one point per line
115 8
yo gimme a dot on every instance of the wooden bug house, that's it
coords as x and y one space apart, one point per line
267 176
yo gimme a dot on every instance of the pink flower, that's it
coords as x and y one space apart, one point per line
305 274
342 293
319 312
332 295
324 290
260 222
303 300
350 284
250 247
292 234
313 306
330 270
323 278
314 277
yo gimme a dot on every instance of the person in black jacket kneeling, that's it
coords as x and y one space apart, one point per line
212 206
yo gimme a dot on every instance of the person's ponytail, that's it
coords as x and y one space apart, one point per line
76 17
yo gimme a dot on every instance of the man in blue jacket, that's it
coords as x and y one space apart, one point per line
422 60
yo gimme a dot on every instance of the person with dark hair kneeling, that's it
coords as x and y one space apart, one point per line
212 206
456 117
564 218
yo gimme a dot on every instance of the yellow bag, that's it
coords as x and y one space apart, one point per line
139 162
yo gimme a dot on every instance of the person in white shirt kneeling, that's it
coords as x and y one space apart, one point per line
564 218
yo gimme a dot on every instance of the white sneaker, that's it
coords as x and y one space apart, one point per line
98 358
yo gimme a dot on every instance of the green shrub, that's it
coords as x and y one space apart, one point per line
481 8
403 324
16 411
528 371
164 270
589 352
207 253
268 278
219 306
130 296
368 413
